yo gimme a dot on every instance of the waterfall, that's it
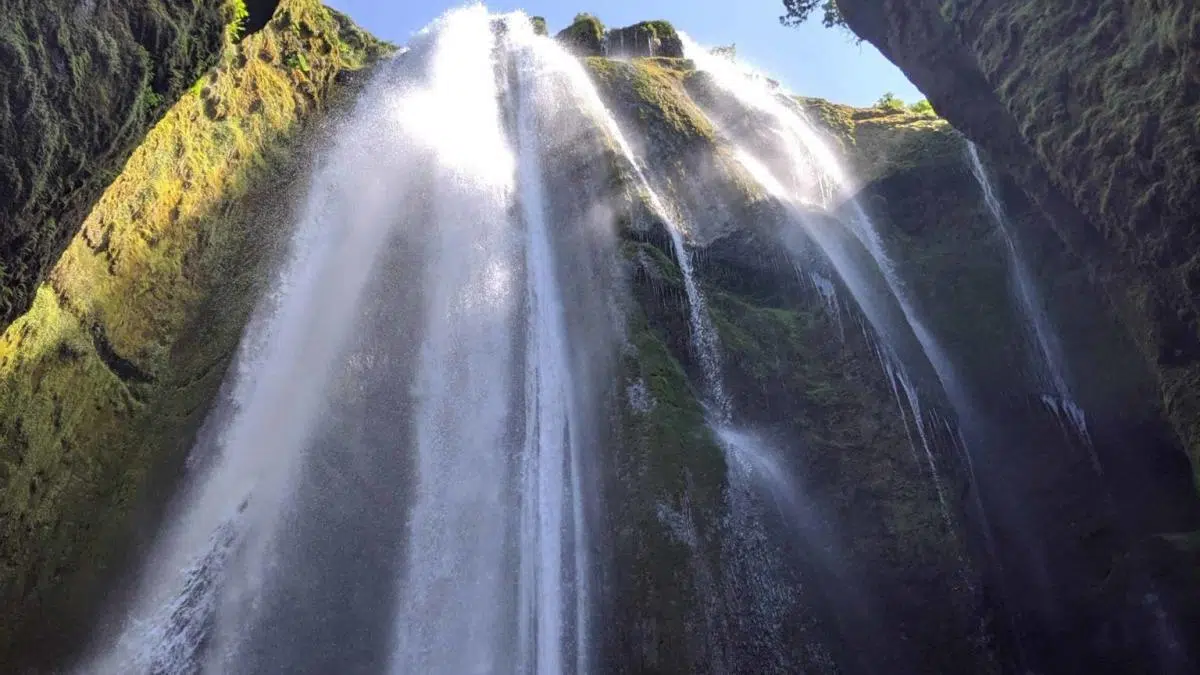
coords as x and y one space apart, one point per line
1062 403
703 334
877 291
412 385
465 431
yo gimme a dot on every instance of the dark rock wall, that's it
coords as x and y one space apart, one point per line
1092 108
865 548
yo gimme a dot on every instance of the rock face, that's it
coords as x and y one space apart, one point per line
648 38
884 560
1093 111
810 387
586 36
80 84
104 381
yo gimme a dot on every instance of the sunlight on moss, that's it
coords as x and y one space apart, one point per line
107 376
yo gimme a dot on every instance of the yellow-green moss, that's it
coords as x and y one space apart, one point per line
80 83
880 141
657 91
585 36
103 381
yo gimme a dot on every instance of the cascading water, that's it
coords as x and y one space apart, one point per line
442 450
431 210
816 178
1061 402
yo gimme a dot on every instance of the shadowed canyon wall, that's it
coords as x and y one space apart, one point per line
1092 108
898 549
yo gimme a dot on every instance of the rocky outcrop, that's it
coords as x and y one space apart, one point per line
104 381
1063 525
1092 109
80 84
648 38
586 36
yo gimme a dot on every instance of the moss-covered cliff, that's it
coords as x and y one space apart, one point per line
810 388
1093 111
81 84
105 379
962 271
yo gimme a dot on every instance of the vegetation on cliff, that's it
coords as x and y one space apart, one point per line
1089 112
105 379
80 83
585 36
887 139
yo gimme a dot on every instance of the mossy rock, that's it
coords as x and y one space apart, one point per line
883 141
539 25
648 38
584 37
104 382
80 84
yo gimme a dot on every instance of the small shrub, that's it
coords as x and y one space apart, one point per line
297 61
151 100
890 101
237 21
922 107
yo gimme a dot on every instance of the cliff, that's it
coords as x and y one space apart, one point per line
107 376
1036 539
82 83
1093 111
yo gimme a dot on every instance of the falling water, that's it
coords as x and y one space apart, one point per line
1062 403
425 269
454 594
703 334
807 156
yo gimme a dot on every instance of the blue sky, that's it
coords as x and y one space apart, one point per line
810 60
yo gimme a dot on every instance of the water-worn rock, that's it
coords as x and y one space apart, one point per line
584 37
648 38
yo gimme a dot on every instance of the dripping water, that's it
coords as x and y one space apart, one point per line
1062 402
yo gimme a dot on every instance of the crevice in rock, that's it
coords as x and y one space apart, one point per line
123 368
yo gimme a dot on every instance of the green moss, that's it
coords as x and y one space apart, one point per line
648 38
104 381
655 88
669 492
80 84
585 36
539 25
885 140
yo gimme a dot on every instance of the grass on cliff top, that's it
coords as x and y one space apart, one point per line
105 379
885 140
